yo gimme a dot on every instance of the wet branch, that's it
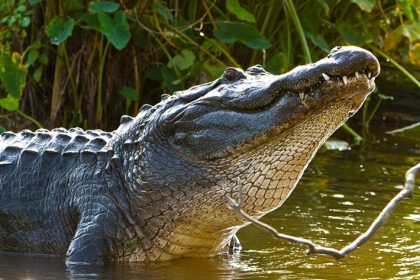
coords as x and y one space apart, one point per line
407 191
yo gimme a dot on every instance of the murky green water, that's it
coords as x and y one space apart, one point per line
337 199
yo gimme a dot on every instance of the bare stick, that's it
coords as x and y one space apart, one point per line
407 191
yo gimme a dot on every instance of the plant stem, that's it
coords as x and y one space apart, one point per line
137 79
70 75
168 55
365 124
93 52
56 95
99 108
29 118
357 138
292 12
288 41
397 65
228 56
374 111
262 30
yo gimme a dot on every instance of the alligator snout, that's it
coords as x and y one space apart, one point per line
355 58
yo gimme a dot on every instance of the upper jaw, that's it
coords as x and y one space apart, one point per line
344 67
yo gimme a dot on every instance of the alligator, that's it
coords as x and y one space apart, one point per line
157 187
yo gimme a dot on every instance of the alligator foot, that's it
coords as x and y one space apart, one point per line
86 249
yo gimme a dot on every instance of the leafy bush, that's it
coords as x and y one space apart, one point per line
85 63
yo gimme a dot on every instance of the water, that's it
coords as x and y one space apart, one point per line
337 199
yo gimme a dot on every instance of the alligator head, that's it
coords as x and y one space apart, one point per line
185 156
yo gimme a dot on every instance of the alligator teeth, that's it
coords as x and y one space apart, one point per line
357 74
369 74
345 81
325 76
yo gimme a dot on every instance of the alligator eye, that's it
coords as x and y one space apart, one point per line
232 74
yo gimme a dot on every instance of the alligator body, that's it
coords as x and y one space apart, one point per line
157 187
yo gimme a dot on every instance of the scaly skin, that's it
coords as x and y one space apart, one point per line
156 188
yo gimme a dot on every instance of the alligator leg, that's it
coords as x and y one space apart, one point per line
88 245
96 230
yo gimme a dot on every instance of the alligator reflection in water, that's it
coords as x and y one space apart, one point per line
337 199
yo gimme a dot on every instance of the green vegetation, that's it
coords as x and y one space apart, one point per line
85 63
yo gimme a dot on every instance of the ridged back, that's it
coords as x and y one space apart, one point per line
59 141
38 169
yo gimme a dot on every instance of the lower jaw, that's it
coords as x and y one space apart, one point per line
358 101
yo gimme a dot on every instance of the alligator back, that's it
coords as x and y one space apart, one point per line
36 171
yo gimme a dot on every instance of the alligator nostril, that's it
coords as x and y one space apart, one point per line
256 69
333 50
